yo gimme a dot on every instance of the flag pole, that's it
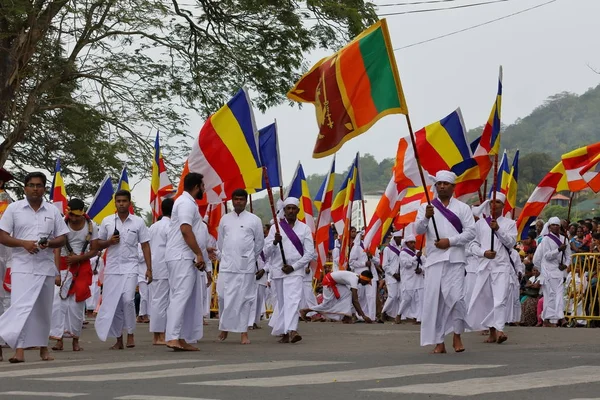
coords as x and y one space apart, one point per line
251 208
569 221
414 144
275 221
494 189
364 214
280 192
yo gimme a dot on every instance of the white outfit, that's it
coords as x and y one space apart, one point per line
366 294
240 241
309 299
443 304
186 285
259 306
143 287
391 266
159 299
576 285
471 275
336 308
413 284
288 288
335 256
513 303
26 323
117 311
488 307
548 257
98 266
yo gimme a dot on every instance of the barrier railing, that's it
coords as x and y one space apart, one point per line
582 303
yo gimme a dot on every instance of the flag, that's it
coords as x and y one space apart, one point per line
574 161
123 184
226 151
406 170
591 174
58 193
512 186
213 216
342 202
269 155
409 206
345 241
160 184
299 189
443 146
352 89
102 205
502 176
554 181
323 235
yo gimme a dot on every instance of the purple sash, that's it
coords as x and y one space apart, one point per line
362 245
555 239
395 250
450 216
262 256
409 252
289 232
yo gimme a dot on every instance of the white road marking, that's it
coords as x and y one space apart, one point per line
90 367
42 394
499 384
40 362
356 375
146 397
192 371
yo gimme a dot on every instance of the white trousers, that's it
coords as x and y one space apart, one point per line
289 294
117 311
144 289
159 302
554 301
411 304
392 304
186 298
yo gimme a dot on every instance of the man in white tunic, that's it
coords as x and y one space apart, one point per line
121 234
32 227
240 242
159 301
553 254
391 267
186 256
489 301
413 281
298 248
360 261
340 294
143 289
74 259
259 306
444 306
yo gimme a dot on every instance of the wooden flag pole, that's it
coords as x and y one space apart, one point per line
414 144
275 220
281 193
562 257
364 214
493 204
251 208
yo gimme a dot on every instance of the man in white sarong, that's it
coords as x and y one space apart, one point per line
240 242
259 306
309 299
391 267
121 233
187 254
298 249
513 303
159 300
553 255
340 294
488 307
32 227
360 261
413 281
73 259
143 289
444 309
97 263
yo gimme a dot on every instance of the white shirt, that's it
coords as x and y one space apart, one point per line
347 278
22 222
158 246
408 265
241 239
292 256
504 240
122 258
391 263
185 211
77 239
335 256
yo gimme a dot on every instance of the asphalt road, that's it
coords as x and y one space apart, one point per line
334 361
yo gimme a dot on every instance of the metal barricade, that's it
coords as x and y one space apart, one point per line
582 300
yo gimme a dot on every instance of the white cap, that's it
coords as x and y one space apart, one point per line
445 176
291 201
500 197
410 238
554 221
397 234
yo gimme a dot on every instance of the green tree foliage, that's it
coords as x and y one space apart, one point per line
554 211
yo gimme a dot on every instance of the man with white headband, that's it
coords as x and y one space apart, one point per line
553 255
298 249
413 280
488 308
445 266
391 266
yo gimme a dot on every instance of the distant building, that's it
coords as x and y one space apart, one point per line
559 200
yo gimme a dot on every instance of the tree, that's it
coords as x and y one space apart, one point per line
555 211
89 81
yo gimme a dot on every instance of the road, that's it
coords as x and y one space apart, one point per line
334 361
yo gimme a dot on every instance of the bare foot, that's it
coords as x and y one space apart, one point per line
146 319
188 347
255 326
58 346
398 319
130 341
440 348
139 320
245 339
295 337
76 346
45 355
284 339
303 313
457 344
502 338
119 344
222 336
174 344
158 339
493 337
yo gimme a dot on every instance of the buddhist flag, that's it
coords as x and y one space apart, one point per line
575 161
213 216
342 202
226 151
123 184
406 170
299 189
502 176
160 184
352 89
512 185
323 235
102 205
58 193
409 205
269 155
347 210
591 174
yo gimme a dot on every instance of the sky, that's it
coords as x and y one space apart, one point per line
544 51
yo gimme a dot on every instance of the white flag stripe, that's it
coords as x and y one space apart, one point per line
356 375
499 384
42 394
91 367
146 397
180 372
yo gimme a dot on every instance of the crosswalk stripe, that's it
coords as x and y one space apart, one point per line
499 384
40 362
356 375
179 372
90 367
42 394
146 397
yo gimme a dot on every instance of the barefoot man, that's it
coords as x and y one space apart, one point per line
240 243
444 309
32 227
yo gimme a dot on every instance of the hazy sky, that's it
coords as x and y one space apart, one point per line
543 52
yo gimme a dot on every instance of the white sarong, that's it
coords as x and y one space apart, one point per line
117 311
159 303
391 306
333 308
289 294
186 302
237 295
